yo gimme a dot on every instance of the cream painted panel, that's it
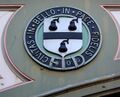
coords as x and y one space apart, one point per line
8 78
116 15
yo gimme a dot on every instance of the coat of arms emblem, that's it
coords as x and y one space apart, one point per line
62 38
62 35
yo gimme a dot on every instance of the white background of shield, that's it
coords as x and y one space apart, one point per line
53 45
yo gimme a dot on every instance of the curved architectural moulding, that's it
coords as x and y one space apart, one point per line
10 76
114 12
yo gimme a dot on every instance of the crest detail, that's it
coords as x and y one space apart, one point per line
62 38
62 35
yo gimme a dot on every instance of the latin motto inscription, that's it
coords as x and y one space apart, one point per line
74 61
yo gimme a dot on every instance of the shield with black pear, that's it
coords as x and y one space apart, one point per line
62 35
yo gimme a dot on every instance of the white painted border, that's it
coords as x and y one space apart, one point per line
24 78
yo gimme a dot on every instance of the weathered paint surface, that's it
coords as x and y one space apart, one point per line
8 78
47 81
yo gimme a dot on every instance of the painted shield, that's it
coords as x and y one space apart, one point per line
62 35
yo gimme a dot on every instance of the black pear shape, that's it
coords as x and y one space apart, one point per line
72 26
63 47
53 26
